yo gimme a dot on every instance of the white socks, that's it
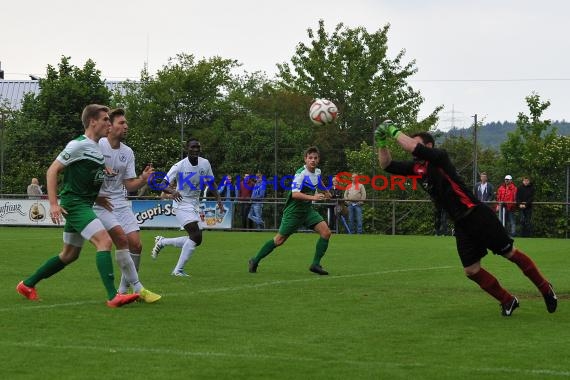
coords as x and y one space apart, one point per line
176 242
187 250
128 270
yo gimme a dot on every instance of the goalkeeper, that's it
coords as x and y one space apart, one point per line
477 228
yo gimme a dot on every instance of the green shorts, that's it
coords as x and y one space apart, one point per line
294 219
79 215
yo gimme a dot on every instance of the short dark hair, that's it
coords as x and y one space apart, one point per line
116 112
91 112
426 137
312 149
190 140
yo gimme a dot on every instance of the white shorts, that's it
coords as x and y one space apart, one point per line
188 213
75 239
122 216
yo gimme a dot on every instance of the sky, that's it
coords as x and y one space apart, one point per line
473 57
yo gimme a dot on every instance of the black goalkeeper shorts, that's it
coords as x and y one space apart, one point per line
479 231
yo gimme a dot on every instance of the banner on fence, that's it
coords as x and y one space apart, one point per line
149 213
25 212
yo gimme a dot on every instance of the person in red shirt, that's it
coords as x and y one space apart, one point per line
506 199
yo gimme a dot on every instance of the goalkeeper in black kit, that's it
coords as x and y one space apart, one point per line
477 228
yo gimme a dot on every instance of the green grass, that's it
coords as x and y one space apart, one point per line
394 307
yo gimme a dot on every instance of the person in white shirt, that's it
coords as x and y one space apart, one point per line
34 189
484 190
115 211
187 178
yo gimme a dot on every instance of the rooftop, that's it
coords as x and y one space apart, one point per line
12 91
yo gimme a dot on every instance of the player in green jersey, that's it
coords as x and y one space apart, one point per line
299 212
83 168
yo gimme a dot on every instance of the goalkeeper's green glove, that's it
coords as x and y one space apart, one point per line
390 128
380 137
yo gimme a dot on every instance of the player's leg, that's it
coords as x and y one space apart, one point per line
188 215
530 270
290 222
113 223
71 249
470 237
497 239
194 240
135 249
73 242
319 226
129 275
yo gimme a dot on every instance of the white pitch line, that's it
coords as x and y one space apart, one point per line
38 305
281 358
320 278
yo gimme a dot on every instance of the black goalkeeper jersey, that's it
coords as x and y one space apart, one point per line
439 179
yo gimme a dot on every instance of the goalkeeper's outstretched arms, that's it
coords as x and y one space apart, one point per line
387 129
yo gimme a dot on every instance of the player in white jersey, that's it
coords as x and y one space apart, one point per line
113 209
187 178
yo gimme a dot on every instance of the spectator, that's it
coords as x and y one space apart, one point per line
338 209
228 191
256 211
525 197
440 221
507 197
34 189
245 189
484 190
354 195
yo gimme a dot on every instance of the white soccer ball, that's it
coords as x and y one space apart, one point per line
323 112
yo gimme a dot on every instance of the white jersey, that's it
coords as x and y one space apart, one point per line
122 162
305 181
190 180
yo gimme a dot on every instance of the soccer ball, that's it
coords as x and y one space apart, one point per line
323 112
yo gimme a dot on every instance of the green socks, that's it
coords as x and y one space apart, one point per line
48 269
265 250
105 268
322 245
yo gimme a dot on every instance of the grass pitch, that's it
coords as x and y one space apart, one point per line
394 307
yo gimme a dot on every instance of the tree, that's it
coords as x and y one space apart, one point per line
351 67
49 120
542 155
530 141
185 97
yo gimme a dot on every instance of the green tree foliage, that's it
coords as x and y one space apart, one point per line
184 98
537 151
532 140
352 68
47 121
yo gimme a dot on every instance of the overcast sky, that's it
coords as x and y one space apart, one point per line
474 57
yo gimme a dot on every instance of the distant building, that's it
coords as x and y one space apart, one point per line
12 91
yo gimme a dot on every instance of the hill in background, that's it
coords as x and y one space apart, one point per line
492 135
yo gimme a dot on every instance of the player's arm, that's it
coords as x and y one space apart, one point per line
214 190
384 156
307 197
133 184
388 129
326 193
51 180
170 192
